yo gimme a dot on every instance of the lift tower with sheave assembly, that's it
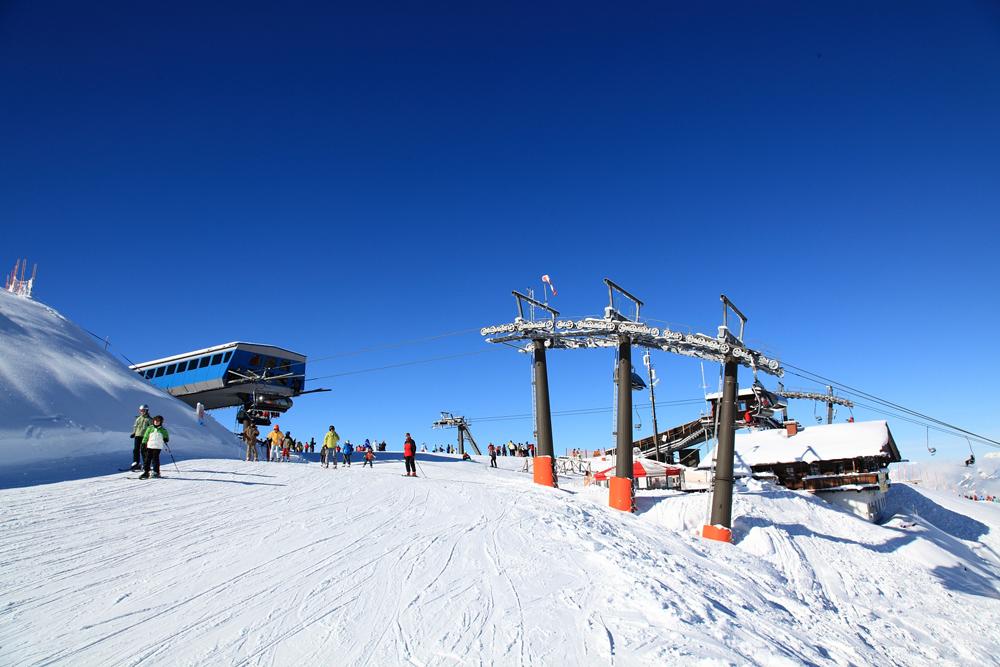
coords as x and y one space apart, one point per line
621 328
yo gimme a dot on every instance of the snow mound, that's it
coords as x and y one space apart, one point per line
296 564
66 400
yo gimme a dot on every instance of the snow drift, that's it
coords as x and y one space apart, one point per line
66 400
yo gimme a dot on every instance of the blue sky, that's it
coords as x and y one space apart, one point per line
329 178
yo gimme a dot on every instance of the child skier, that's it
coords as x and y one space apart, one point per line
348 450
153 440
369 458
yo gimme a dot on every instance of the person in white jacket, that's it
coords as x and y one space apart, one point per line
154 439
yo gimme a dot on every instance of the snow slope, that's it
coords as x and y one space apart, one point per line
982 478
236 563
66 402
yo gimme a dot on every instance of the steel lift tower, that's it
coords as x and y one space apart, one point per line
621 328
449 420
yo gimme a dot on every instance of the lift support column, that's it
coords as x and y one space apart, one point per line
722 495
622 494
544 465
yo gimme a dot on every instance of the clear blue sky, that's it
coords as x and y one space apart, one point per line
328 178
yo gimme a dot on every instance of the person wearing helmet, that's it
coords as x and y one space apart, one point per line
330 441
142 422
273 441
154 438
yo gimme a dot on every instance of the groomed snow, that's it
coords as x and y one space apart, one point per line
226 562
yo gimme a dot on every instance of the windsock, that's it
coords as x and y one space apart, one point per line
548 281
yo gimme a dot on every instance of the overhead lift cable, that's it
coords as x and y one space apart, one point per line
948 428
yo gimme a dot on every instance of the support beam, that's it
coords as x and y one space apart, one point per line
829 405
622 495
461 440
722 494
544 464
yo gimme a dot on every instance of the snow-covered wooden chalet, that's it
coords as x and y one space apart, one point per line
846 463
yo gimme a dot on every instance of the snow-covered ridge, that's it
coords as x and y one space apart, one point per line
65 399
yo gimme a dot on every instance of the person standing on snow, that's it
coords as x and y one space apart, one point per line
273 439
410 456
153 440
286 446
250 434
369 458
493 456
142 422
330 441
348 450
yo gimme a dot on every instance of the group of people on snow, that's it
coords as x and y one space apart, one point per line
148 438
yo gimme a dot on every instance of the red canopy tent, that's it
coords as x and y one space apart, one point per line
642 467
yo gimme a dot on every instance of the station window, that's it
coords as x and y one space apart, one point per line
181 367
171 368
229 355
217 359
204 362
159 371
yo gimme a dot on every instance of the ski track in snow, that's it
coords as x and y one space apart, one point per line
226 562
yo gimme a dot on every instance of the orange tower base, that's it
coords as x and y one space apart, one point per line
543 471
717 533
621 494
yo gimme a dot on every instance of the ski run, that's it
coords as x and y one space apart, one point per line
228 562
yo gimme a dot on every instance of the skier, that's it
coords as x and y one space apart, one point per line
410 456
153 440
369 458
330 441
273 439
142 422
250 434
286 446
493 455
312 445
348 450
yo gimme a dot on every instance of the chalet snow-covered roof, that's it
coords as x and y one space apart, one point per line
823 442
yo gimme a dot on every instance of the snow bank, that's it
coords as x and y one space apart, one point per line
67 401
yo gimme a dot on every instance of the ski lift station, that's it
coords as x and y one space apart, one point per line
261 380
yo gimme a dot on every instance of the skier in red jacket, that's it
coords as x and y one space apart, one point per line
410 456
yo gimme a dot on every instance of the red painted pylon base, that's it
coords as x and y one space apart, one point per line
621 497
543 471
718 533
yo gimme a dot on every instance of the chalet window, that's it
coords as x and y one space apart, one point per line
159 371
840 468
790 471
204 362
216 360
171 368
813 468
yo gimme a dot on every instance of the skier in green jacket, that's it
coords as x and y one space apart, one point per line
142 422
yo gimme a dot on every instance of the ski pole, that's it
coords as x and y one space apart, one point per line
171 456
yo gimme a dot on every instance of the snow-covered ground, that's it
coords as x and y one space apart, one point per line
234 563
225 562
67 406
